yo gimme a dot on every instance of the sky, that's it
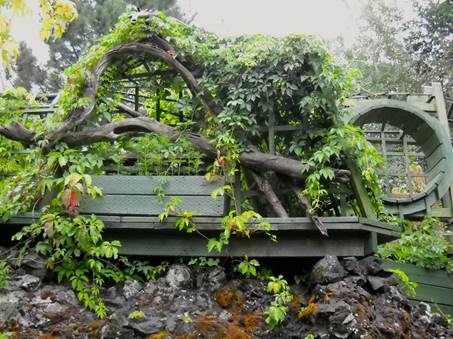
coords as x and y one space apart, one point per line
326 18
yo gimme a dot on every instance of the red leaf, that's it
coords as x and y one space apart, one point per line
74 200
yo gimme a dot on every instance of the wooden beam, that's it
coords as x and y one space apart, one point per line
361 194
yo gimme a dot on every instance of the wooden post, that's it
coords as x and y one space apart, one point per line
237 192
407 165
137 93
361 194
158 104
441 106
271 133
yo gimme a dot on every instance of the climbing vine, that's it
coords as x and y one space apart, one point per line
219 93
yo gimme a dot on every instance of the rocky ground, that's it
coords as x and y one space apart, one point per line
348 299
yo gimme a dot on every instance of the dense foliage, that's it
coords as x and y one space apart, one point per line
249 79
422 244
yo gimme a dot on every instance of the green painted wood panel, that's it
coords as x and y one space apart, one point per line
418 274
435 287
148 205
431 144
288 245
144 185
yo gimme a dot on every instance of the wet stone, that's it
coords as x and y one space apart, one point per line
371 266
131 288
179 276
149 326
327 270
351 264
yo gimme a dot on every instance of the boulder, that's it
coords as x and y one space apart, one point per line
327 270
179 276
131 288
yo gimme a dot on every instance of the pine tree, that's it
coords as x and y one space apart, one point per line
96 18
26 71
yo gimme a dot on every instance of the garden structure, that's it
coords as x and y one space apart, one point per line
184 144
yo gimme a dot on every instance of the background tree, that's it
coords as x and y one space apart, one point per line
397 54
380 52
95 20
26 71
430 41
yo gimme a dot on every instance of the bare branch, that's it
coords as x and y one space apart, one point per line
254 160
18 132
92 83
266 188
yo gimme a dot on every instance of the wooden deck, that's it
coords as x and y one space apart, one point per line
297 237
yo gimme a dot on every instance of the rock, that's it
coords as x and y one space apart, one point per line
225 315
216 278
377 283
327 270
149 326
333 306
179 276
371 265
10 303
357 280
396 296
113 330
31 263
171 323
27 282
351 264
150 287
358 305
131 288
67 297
342 322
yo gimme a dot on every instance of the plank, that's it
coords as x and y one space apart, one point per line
362 197
288 245
434 294
148 205
441 106
420 275
144 185
420 101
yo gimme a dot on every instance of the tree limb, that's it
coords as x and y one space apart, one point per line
18 132
265 187
254 160
305 201
92 83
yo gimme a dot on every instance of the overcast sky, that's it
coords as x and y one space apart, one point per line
326 18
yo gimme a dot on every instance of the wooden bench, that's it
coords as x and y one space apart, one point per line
130 207
139 195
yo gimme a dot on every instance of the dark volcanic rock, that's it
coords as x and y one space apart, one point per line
327 270
371 265
357 301
179 276
27 282
351 264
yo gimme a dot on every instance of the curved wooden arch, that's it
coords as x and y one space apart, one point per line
428 134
